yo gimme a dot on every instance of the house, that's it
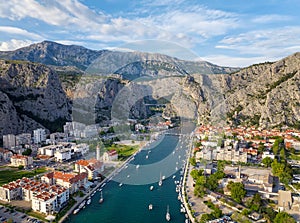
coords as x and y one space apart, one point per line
5 155
92 167
284 200
268 154
111 155
19 160
71 181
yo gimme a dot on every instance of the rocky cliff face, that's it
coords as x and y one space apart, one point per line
31 96
266 95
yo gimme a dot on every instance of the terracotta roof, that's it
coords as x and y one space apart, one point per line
66 177
112 152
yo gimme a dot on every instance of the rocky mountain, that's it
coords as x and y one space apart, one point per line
265 95
34 95
128 65
51 53
31 96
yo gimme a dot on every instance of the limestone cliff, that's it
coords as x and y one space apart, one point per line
31 96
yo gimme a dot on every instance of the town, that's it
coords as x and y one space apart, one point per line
46 175
249 174
246 173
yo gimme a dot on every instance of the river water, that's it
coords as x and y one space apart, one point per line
127 195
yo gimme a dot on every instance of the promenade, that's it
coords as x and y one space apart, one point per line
184 183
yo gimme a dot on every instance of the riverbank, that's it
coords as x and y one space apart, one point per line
99 185
185 177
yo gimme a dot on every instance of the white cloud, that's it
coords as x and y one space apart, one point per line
196 22
272 43
20 32
271 18
14 44
231 61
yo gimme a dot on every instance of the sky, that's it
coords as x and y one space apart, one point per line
234 33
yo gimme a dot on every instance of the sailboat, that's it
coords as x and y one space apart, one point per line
101 198
160 181
168 216
150 207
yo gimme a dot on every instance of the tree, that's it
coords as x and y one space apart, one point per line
284 217
267 161
237 191
196 173
20 167
256 202
261 147
27 152
193 161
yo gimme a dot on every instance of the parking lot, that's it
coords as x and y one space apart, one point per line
17 217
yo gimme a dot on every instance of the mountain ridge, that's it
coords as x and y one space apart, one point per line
104 62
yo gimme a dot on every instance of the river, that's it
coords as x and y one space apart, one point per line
127 195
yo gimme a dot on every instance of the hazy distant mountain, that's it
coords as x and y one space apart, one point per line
103 62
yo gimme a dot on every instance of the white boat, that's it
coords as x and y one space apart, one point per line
76 211
89 201
147 157
101 198
168 216
150 207
174 176
160 181
81 205
121 184
151 187
137 166
163 177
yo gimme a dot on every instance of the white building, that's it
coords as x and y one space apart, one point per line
9 141
64 154
45 198
111 155
19 160
81 148
39 135
71 181
267 154
92 167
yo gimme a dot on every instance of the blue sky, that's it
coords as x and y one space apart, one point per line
224 32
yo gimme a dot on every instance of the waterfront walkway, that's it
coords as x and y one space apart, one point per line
185 177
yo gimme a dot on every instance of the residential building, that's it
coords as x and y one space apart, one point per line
9 141
64 154
5 155
19 160
39 135
111 155
267 154
45 198
23 139
92 167
72 181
